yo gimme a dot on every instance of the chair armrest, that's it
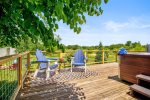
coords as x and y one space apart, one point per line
42 61
53 59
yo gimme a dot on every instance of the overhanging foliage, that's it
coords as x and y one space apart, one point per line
38 19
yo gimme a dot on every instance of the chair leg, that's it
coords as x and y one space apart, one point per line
36 72
85 69
71 67
48 74
56 71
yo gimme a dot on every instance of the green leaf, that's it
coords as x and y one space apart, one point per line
71 25
79 30
99 2
54 30
106 1
54 20
51 25
100 10
80 22
67 2
75 29
26 4
49 3
59 9
56 26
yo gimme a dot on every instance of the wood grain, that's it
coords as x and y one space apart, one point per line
132 65
105 86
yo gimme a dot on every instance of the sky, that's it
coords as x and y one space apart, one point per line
122 20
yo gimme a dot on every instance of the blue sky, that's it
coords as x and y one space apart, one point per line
122 20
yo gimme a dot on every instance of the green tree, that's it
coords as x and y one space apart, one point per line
137 46
98 57
27 45
128 43
116 46
38 19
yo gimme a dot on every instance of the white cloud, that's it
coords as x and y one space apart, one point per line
132 23
146 26
115 26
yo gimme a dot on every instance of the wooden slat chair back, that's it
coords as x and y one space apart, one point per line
78 60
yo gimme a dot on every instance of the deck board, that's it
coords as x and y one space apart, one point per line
104 86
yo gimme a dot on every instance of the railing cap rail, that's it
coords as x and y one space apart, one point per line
13 57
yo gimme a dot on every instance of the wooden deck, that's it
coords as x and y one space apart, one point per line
101 83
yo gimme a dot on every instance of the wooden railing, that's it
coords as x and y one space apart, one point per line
90 54
13 71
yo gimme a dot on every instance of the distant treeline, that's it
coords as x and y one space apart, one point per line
129 45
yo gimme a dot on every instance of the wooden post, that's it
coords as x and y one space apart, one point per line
60 63
28 61
85 54
20 71
116 56
103 55
60 56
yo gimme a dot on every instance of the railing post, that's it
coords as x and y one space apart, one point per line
60 55
85 54
103 55
28 61
20 71
60 63
116 56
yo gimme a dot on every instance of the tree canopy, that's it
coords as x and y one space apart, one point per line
38 19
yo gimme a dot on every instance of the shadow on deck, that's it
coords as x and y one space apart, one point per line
100 82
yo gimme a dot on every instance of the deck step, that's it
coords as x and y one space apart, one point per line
143 77
141 90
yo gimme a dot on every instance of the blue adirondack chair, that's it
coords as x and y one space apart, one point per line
78 60
44 64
